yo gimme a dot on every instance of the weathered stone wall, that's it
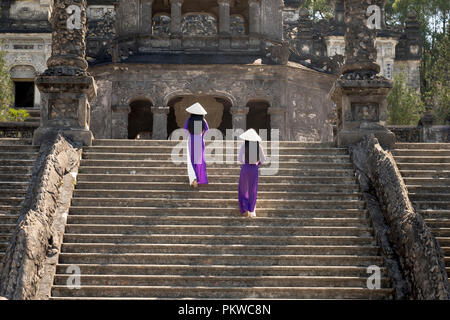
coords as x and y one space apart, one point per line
435 133
299 92
36 236
421 258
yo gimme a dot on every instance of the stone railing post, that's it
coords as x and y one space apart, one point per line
146 17
239 117
65 86
224 17
254 18
278 119
159 131
120 121
359 93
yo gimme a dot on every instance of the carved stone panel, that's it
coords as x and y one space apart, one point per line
368 112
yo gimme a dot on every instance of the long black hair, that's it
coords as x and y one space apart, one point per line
192 119
249 145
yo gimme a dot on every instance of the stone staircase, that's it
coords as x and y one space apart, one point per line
136 229
17 158
425 167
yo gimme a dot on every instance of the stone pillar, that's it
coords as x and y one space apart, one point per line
159 131
278 119
175 16
254 17
239 117
119 119
359 93
65 86
224 17
146 17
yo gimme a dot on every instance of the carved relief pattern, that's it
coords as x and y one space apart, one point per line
199 25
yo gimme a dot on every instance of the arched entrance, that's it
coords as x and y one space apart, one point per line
218 117
258 116
140 119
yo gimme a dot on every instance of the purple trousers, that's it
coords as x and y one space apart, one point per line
248 187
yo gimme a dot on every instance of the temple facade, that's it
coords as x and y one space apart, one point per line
263 64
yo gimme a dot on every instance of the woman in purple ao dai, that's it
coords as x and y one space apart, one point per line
251 155
196 126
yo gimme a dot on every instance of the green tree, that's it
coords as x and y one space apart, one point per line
438 80
319 9
404 103
6 90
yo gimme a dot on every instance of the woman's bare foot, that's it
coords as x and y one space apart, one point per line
251 215
195 184
245 214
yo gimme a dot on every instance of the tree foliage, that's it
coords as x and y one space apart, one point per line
6 90
404 103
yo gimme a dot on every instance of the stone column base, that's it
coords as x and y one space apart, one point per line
43 134
346 138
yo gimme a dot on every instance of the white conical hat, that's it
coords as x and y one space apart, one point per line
250 135
197 108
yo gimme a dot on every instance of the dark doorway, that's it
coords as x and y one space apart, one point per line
227 122
140 119
24 94
258 117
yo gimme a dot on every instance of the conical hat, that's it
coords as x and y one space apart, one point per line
197 108
250 135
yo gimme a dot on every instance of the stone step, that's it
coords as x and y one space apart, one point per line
423 196
3 247
192 194
170 292
14 177
5 237
171 165
211 203
422 145
222 164
438 223
210 158
219 281
145 152
421 152
7 228
300 170
431 205
16 148
423 166
8 219
219 229
11 210
225 221
147 143
16 185
427 181
219 239
15 141
420 159
13 192
435 173
320 177
436 214
230 259
17 162
16 170
440 231
11 201
443 241
18 155
341 187
218 249
216 212
435 189
207 270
